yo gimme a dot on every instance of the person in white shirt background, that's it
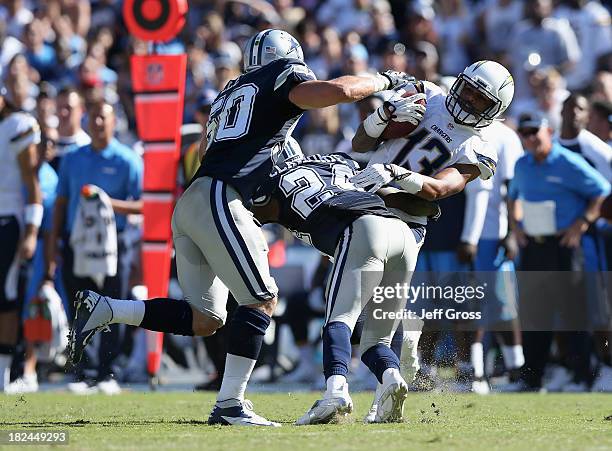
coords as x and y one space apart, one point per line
488 246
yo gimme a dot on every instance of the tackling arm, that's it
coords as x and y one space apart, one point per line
348 88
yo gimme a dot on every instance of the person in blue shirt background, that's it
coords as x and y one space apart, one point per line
117 170
560 196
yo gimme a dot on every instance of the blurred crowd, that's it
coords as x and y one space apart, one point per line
59 59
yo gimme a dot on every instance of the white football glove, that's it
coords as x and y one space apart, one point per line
373 177
406 109
392 79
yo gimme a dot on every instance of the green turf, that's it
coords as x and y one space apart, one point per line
435 421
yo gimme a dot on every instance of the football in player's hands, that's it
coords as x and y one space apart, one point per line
407 109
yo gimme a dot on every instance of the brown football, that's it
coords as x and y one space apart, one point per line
401 129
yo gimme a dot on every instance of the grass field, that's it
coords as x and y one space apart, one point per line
440 421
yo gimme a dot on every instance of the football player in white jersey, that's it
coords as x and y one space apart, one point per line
489 248
446 150
19 134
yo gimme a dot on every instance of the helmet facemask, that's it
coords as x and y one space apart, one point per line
464 111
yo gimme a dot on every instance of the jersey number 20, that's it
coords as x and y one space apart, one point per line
230 115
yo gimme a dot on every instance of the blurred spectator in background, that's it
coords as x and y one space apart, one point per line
394 57
496 22
600 120
117 170
329 62
423 62
70 109
452 25
548 94
9 47
321 131
575 137
419 25
602 86
560 196
541 41
40 55
345 16
16 16
591 24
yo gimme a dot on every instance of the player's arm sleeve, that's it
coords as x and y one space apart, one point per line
292 74
479 153
476 200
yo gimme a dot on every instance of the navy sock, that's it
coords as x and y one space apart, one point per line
379 358
396 341
246 333
336 349
168 315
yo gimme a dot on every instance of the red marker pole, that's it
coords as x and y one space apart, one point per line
158 82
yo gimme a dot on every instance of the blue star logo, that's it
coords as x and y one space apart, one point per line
294 45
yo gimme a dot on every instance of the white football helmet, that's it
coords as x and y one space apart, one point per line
269 45
481 93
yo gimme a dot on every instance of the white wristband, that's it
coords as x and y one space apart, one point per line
374 124
411 182
34 214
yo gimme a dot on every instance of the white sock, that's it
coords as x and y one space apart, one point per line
477 358
336 386
513 356
379 391
127 311
390 376
5 370
237 373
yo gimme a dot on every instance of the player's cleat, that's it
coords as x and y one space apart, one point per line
327 410
82 388
234 412
92 314
480 386
109 387
26 384
390 404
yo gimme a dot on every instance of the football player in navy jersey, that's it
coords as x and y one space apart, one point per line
372 248
218 245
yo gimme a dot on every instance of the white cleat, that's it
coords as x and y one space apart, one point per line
390 404
82 388
480 386
326 411
371 415
26 384
109 387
